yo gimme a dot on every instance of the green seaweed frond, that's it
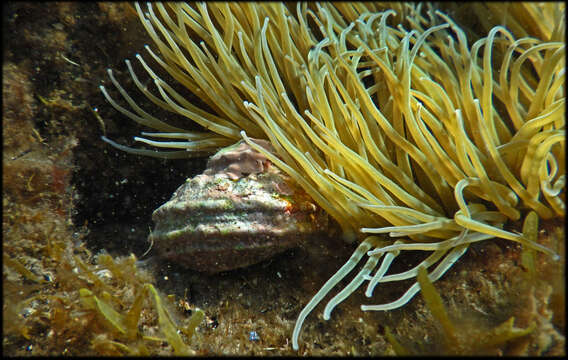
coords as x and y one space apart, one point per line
434 302
459 340
530 231
399 349
125 324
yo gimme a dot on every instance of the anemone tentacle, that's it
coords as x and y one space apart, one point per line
410 129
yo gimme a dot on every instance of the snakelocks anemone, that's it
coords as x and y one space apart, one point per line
407 134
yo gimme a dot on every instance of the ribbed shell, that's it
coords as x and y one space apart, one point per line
215 222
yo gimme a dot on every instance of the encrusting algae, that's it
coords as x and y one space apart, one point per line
392 121
46 264
457 341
